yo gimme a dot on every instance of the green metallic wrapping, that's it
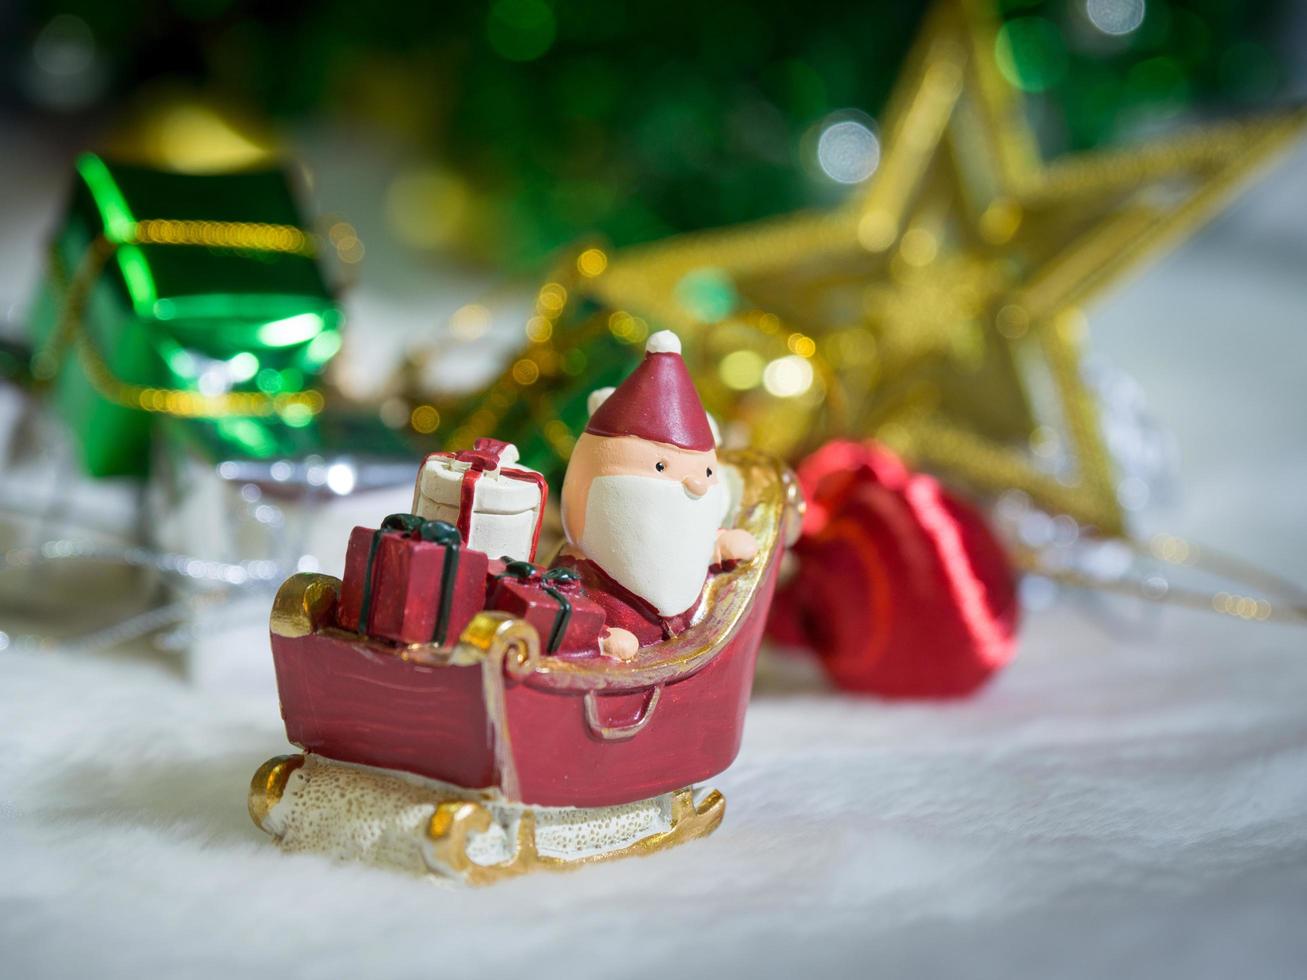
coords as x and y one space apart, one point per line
185 295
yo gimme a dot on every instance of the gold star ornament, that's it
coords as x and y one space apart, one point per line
940 309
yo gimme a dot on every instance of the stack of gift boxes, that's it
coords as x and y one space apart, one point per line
421 577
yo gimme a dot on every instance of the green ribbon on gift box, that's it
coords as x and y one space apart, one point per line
524 571
437 532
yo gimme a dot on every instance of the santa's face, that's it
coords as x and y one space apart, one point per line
646 513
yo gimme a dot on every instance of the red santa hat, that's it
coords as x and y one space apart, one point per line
657 402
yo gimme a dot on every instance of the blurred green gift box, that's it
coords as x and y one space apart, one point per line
180 295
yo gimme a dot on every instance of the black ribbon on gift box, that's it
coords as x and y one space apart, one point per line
549 581
437 532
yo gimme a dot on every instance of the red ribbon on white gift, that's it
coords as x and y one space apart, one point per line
486 456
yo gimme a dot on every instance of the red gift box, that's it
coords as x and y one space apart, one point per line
411 581
554 602
495 570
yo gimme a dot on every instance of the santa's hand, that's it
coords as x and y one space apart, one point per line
619 644
734 544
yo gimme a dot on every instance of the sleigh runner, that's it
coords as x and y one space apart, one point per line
487 757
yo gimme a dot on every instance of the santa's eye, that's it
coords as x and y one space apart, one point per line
709 471
660 466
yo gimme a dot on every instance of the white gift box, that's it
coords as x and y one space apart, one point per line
496 505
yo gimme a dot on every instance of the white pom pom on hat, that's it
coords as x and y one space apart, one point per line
663 342
597 398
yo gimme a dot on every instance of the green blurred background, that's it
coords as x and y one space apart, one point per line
535 121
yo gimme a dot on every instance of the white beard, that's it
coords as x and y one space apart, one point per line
652 537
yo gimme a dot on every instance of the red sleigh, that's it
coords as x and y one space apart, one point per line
489 728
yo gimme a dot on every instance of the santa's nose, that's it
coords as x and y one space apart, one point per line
695 486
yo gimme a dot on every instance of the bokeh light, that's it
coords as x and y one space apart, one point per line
551 298
349 247
64 71
786 377
592 262
526 371
628 328
539 329
741 369
708 294
848 152
469 322
424 419
65 46
342 478
1116 17
919 247
801 344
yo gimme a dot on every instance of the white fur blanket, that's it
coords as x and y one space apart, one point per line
1127 806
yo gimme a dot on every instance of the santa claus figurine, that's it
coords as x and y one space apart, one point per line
643 503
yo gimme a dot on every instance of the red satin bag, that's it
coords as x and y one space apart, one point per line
901 588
